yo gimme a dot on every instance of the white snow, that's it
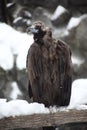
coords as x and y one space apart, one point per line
59 10
9 5
13 42
75 21
77 60
17 19
28 22
15 91
22 107
79 94
28 14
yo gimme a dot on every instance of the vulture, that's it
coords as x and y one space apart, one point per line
49 68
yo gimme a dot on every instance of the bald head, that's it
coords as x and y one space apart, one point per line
39 30
39 24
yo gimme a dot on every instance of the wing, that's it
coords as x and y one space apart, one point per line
65 72
34 71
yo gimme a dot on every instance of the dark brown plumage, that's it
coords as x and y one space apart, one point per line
49 68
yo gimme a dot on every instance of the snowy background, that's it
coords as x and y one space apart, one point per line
14 42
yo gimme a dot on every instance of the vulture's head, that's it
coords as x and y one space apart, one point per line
38 29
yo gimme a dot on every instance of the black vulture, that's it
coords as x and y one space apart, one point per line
49 68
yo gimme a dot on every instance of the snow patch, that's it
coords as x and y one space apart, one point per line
74 22
59 10
79 94
13 42
15 91
77 60
20 107
17 19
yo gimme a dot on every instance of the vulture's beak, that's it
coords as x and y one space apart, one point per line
32 29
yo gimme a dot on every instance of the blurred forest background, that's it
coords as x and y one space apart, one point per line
68 21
